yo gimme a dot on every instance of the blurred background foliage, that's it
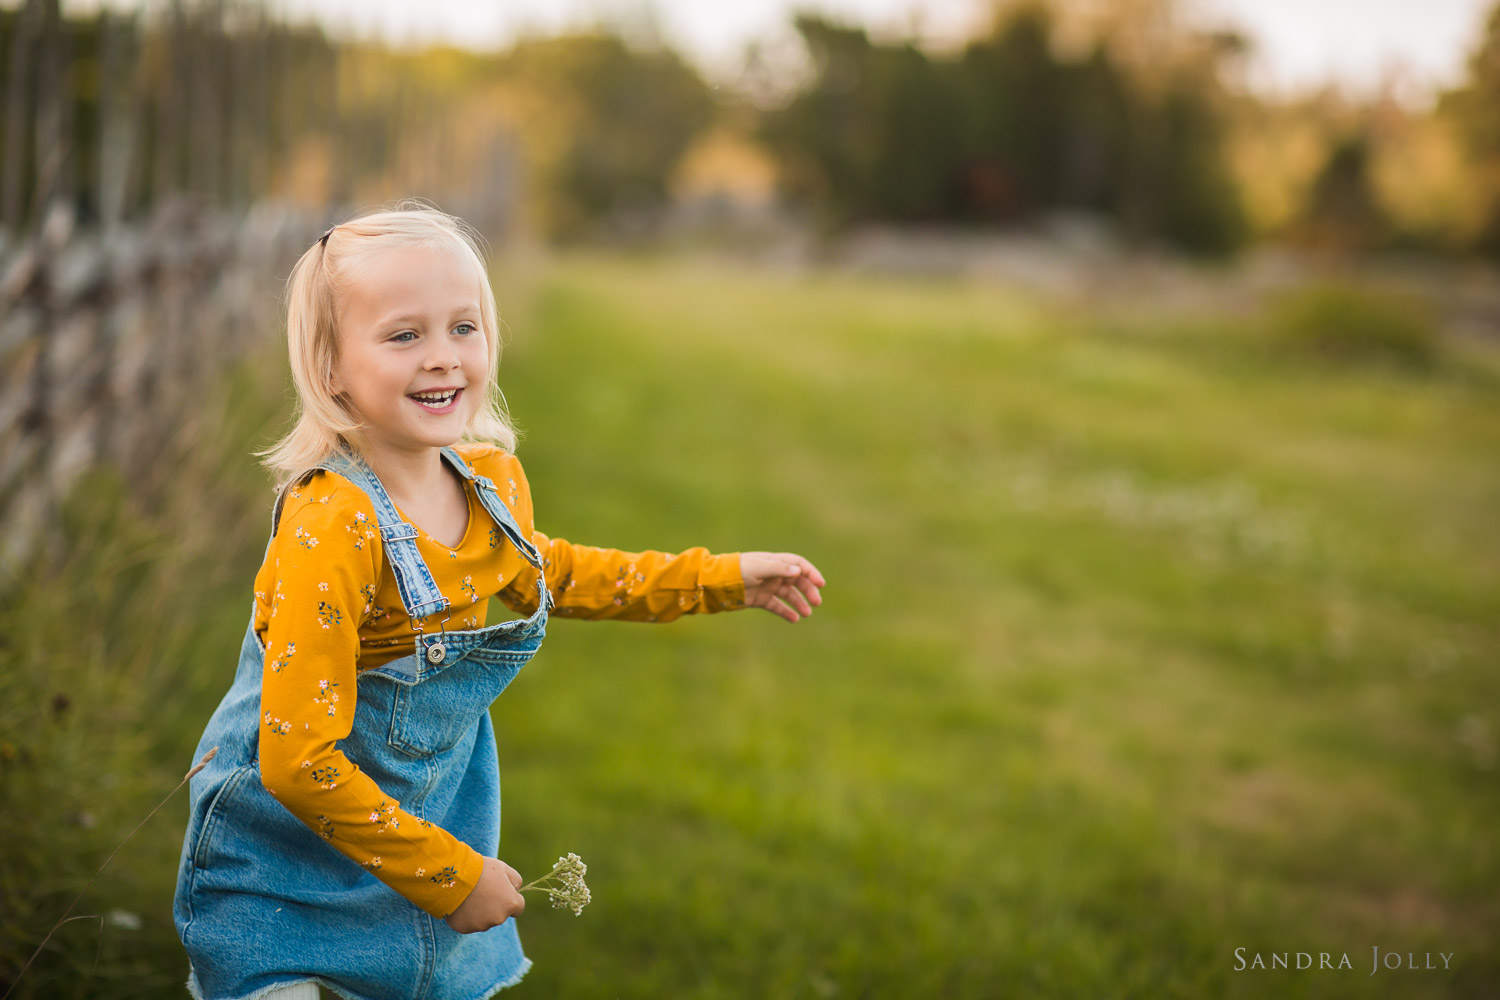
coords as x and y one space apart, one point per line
1122 112
1008 130
1144 425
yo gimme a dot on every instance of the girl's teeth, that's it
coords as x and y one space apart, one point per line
435 402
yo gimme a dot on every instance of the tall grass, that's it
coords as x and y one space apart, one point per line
1341 324
1138 647
113 657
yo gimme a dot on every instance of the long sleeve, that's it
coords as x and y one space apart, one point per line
328 559
599 583
650 586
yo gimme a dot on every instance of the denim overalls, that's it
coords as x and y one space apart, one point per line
262 901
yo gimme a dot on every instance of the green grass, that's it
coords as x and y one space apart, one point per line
1140 645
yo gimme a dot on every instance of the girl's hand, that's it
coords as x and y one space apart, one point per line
494 900
783 583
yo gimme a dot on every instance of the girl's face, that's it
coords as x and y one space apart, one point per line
412 354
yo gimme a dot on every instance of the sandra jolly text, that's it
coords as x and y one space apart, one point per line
1391 960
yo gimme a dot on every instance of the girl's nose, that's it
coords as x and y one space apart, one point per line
443 355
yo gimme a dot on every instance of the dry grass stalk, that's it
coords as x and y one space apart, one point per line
66 913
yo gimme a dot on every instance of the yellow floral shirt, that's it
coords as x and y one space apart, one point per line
327 606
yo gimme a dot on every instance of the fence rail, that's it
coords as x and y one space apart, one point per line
108 340
159 173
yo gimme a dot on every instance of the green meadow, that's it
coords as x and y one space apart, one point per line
1144 641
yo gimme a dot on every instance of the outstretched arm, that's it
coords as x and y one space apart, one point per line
590 582
598 583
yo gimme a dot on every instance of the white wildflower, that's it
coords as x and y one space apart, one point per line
564 883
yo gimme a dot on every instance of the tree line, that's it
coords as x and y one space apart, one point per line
219 100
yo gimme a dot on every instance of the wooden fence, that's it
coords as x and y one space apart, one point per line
109 339
159 174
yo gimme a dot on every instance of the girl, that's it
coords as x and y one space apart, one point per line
345 833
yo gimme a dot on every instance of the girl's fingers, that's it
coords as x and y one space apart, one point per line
806 585
775 604
807 571
790 603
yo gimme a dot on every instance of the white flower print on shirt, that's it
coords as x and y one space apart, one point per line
327 696
385 816
360 529
284 658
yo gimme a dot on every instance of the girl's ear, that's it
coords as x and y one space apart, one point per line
335 381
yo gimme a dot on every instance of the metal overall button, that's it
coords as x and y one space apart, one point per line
436 651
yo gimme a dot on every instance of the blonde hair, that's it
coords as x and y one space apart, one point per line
324 421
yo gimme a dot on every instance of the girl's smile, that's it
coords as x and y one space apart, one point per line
442 400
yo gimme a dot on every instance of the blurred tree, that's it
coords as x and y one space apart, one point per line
1177 183
604 124
850 143
1189 195
18 30
1475 106
114 114
1007 130
1096 135
1342 213
218 100
1016 113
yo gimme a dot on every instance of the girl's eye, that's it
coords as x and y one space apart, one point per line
403 334
465 328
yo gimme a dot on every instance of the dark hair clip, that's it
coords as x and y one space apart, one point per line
324 238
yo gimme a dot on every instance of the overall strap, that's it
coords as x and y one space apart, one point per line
419 593
489 497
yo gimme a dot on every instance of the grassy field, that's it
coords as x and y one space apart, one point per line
1142 643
